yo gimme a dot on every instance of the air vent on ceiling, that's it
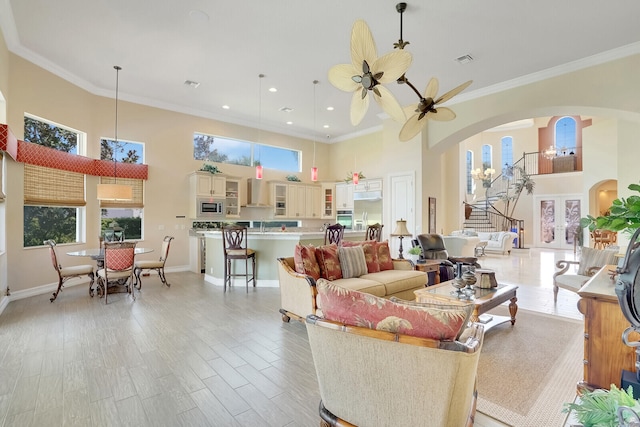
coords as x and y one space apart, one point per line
191 83
286 109
464 59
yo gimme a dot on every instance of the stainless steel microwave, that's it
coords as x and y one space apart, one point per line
208 208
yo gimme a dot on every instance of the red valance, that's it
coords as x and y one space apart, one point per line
34 154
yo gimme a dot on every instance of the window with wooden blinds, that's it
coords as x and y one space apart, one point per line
53 187
138 193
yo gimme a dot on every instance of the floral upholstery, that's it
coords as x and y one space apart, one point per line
384 256
433 320
305 260
329 262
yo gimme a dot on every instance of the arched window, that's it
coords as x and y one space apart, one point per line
469 169
487 161
507 153
565 134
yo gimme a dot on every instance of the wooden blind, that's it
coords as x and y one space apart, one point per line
54 187
138 193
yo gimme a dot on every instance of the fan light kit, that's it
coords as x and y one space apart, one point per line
368 73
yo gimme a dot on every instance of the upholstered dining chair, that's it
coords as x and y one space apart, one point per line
117 270
154 265
234 241
374 232
66 273
333 234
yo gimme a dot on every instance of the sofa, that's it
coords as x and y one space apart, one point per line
461 245
383 276
498 241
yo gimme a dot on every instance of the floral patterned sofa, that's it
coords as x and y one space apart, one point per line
360 266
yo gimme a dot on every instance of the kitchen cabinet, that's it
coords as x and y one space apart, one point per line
303 201
368 185
344 196
328 200
232 197
605 355
279 200
205 184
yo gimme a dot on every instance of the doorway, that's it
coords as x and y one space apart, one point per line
401 206
557 221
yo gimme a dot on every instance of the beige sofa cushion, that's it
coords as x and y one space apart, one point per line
396 281
360 284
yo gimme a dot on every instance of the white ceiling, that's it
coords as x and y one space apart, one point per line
161 43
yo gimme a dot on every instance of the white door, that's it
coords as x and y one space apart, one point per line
402 206
556 220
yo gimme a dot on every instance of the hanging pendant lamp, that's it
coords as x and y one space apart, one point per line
314 169
257 162
115 191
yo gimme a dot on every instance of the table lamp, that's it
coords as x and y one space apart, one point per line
401 231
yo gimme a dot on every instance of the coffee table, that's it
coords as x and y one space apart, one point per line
483 299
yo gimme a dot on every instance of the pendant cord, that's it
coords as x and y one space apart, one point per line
115 144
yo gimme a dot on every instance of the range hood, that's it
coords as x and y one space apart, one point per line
367 195
257 193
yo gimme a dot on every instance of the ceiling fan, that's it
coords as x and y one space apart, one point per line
368 73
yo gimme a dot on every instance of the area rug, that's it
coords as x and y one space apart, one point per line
528 371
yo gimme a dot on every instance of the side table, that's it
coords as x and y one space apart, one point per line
429 265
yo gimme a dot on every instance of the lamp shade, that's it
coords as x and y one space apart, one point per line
401 228
115 192
259 172
356 175
314 174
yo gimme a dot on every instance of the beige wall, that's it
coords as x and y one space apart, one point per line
430 156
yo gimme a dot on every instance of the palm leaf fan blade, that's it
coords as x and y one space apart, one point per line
453 92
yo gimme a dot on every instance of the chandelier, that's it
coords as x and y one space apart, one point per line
367 74
550 152
483 175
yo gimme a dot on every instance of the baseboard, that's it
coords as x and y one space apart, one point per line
261 283
4 302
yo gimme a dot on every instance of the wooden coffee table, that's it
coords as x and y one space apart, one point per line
483 299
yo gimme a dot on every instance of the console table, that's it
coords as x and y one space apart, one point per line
605 355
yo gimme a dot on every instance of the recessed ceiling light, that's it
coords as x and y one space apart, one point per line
329 108
273 89
286 109
326 126
464 59
191 83
289 122
226 107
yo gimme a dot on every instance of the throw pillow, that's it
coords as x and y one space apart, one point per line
304 258
370 249
592 257
352 262
439 302
384 256
435 321
327 257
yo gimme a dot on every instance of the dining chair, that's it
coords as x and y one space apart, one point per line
118 268
154 265
333 234
66 273
374 232
234 241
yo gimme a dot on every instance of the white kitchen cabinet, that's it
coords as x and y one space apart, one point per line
279 200
327 197
205 184
368 185
232 197
313 201
344 196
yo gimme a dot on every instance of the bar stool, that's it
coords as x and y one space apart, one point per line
374 232
333 234
234 242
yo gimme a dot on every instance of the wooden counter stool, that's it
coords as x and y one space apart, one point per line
234 241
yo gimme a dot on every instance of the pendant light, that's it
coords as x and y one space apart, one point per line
314 169
115 191
356 175
257 163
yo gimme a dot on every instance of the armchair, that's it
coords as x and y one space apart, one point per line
378 378
591 260
433 247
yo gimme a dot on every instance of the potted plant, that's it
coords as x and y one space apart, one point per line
623 215
600 408
415 253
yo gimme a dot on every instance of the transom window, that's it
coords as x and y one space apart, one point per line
226 150
565 131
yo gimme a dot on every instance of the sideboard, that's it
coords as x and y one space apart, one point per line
605 355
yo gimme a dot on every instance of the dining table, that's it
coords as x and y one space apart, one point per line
97 254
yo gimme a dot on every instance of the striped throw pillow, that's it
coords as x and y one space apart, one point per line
352 261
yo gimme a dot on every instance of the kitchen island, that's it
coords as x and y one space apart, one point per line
269 245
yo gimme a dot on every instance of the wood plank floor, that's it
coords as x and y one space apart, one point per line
188 355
